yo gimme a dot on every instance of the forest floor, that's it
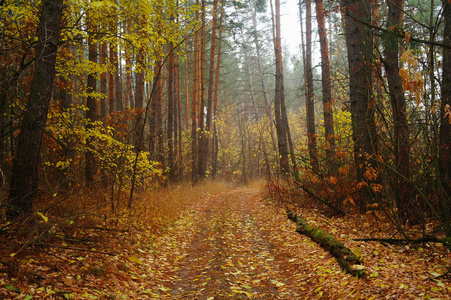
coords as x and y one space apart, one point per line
229 245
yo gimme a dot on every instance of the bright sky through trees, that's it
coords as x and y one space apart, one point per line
290 25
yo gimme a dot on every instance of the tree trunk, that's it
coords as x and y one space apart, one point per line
445 123
326 85
128 72
171 92
194 101
216 97
359 41
24 176
202 156
309 95
111 82
403 192
103 80
208 125
117 66
345 257
279 101
268 110
91 104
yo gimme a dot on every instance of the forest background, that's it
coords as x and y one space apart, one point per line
102 101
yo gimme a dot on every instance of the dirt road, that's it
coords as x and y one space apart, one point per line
236 246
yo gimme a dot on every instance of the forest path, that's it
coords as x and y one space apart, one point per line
237 246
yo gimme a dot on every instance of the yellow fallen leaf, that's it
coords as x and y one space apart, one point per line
43 216
135 259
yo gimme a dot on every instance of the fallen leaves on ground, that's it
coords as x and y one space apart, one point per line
233 245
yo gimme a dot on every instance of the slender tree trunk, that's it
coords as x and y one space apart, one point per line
202 151
208 125
24 176
359 41
158 113
326 85
187 83
103 80
216 97
194 101
128 72
309 95
445 123
111 71
117 67
403 192
268 110
279 101
178 124
171 92
91 104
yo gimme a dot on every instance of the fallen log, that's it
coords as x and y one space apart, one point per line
347 260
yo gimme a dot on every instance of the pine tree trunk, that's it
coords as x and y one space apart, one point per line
309 99
202 151
215 151
403 192
111 70
326 85
359 41
24 176
279 101
103 80
91 104
194 101
171 92
445 124
208 125
268 110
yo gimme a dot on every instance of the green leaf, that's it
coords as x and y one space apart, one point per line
12 288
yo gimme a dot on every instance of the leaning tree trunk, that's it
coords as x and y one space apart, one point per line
24 176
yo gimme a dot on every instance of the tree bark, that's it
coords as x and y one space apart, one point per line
208 125
103 80
403 191
201 159
326 85
359 42
279 101
130 100
345 257
445 124
309 94
194 102
216 97
171 92
91 104
24 176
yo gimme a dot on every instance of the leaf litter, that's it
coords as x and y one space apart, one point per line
231 245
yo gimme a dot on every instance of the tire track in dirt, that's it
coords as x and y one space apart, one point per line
231 255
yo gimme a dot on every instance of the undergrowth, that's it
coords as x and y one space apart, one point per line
86 220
